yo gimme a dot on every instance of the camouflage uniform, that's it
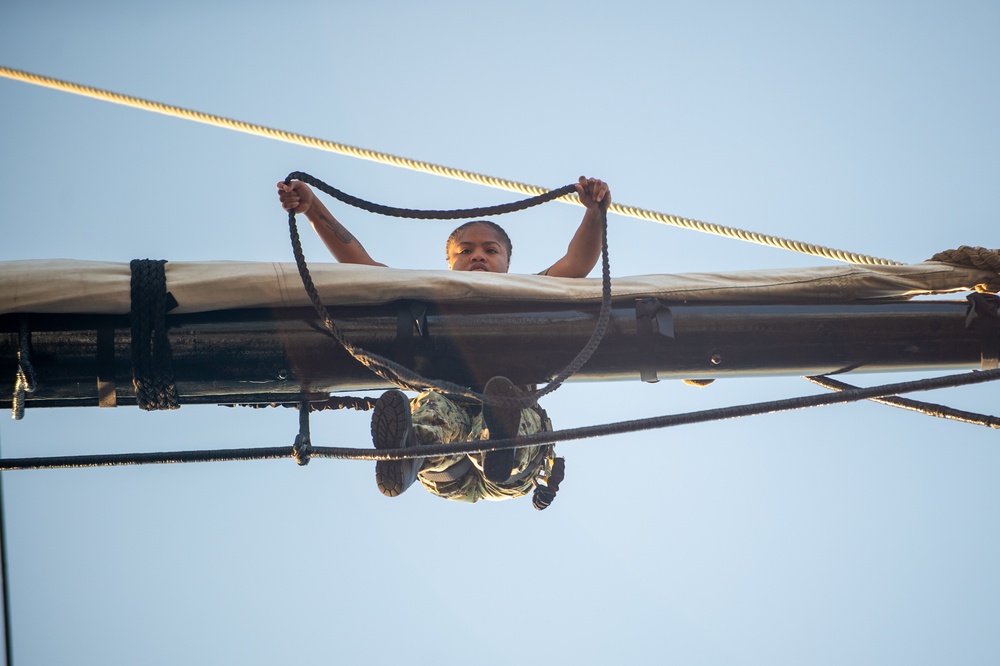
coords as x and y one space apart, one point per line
436 419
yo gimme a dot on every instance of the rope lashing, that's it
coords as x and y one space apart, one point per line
926 408
302 448
976 257
437 169
24 381
408 379
152 368
462 448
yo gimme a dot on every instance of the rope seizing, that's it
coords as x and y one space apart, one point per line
436 169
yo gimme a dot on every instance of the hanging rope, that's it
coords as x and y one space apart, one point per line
436 169
406 378
463 448
929 409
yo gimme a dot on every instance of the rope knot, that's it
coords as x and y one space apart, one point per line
302 450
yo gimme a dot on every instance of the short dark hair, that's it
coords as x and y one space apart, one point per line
453 238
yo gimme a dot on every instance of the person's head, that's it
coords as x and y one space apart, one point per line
479 246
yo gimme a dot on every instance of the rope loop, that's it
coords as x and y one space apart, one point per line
406 378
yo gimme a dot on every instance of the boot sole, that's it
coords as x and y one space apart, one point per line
503 423
390 421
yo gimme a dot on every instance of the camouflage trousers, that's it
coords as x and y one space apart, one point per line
438 420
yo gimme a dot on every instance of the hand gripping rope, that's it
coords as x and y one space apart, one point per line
406 378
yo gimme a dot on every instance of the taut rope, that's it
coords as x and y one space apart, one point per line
437 169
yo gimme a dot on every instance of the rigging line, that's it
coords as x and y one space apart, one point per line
4 576
927 408
436 169
459 448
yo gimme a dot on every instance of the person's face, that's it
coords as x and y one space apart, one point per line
479 248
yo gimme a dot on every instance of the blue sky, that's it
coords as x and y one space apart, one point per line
850 534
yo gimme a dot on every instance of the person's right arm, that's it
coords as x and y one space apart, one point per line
342 244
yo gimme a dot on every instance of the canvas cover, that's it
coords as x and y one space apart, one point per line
95 287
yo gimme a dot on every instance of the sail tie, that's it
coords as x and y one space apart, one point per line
152 360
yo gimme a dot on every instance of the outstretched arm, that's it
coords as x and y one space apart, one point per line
585 248
342 244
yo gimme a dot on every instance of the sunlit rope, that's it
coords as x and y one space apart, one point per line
460 448
925 408
438 170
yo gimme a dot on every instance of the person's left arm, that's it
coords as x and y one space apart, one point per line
585 247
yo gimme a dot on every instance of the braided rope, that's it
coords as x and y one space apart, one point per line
436 169
926 408
464 448
152 368
456 214
408 379
976 257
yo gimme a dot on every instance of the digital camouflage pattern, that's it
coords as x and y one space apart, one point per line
438 420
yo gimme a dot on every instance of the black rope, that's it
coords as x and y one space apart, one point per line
152 368
408 379
668 421
460 448
302 448
460 214
926 408
158 458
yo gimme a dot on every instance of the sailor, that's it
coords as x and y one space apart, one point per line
430 417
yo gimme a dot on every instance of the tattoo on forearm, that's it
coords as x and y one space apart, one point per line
338 229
